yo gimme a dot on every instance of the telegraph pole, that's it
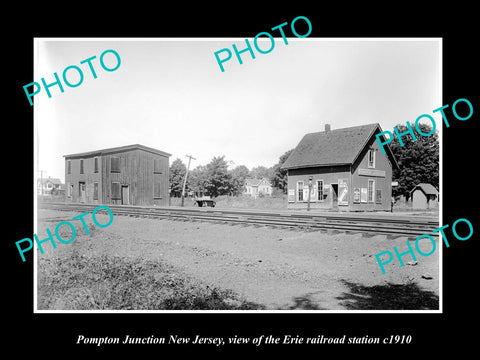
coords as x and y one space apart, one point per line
41 183
190 157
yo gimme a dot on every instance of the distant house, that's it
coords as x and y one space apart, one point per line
424 196
48 186
343 168
254 187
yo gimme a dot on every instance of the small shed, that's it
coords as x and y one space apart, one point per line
424 196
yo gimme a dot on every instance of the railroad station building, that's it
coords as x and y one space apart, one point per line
128 175
344 169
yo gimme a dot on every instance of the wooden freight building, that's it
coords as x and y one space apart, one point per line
128 175
344 169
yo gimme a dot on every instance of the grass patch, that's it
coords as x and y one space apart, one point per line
277 201
245 201
78 282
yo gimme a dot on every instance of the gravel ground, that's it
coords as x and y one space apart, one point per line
277 268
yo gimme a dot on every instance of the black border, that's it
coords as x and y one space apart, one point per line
55 334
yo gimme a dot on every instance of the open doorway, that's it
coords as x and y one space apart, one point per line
81 192
334 195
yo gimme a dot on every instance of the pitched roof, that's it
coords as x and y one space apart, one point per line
333 147
256 182
428 189
117 150
54 181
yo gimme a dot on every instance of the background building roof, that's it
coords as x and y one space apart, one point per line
54 181
428 189
256 182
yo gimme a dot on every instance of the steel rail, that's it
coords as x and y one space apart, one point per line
352 224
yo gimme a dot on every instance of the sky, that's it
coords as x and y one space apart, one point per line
170 94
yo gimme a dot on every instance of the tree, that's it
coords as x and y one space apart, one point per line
238 176
218 177
279 176
176 176
197 179
418 160
261 172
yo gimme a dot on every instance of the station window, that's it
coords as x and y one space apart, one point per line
81 166
69 166
320 190
371 189
95 164
300 190
371 158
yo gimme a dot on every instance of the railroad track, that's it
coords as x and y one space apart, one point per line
394 227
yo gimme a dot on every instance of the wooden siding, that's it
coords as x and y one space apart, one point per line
383 183
136 170
330 175
422 201
127 162
146 178
89 177
356 176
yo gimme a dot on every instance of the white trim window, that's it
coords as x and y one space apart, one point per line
300 190
371 191
371 158
320 190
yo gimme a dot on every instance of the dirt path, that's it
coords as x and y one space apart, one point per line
277 268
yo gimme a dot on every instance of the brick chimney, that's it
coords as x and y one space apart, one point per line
327 127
